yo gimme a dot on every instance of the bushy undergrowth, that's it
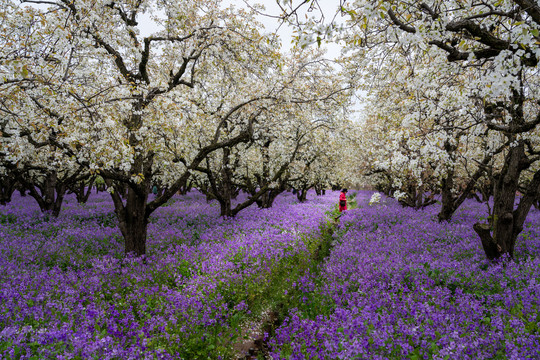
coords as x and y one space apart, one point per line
67 292
405 286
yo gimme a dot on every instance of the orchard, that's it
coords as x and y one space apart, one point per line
170 176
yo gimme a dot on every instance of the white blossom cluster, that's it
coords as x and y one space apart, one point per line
375 199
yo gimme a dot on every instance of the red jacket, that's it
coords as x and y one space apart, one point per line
342 196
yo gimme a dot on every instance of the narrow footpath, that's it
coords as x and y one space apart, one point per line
257 333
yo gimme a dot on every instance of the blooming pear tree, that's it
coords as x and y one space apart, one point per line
501 38
327 161
88 94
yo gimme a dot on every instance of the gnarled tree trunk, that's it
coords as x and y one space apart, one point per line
50 195
450 202
132 212
82 189
508 223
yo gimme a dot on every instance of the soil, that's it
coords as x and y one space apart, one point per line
253 344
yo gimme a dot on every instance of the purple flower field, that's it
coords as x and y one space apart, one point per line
67 292
401 285
397 284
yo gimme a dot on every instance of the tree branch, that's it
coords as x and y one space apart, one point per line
117 57
400 24
530 7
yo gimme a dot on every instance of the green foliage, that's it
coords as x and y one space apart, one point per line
8 219
351 200
106 220
332 215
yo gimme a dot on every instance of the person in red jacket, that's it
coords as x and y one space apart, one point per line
343 200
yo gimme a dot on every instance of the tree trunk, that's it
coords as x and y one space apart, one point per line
506 224
7 188
133 220
225 207
51 193
451 203
5 195
491 248
186 188
267 200
47 192
301 195
57 205
123 190
264 202
448 200
419 200
83 189
134 213
221 186
448 208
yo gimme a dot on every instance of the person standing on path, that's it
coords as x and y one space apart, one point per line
343 200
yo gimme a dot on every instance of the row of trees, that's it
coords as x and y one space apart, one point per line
206 100
453 102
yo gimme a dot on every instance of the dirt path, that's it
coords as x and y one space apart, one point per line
254 345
